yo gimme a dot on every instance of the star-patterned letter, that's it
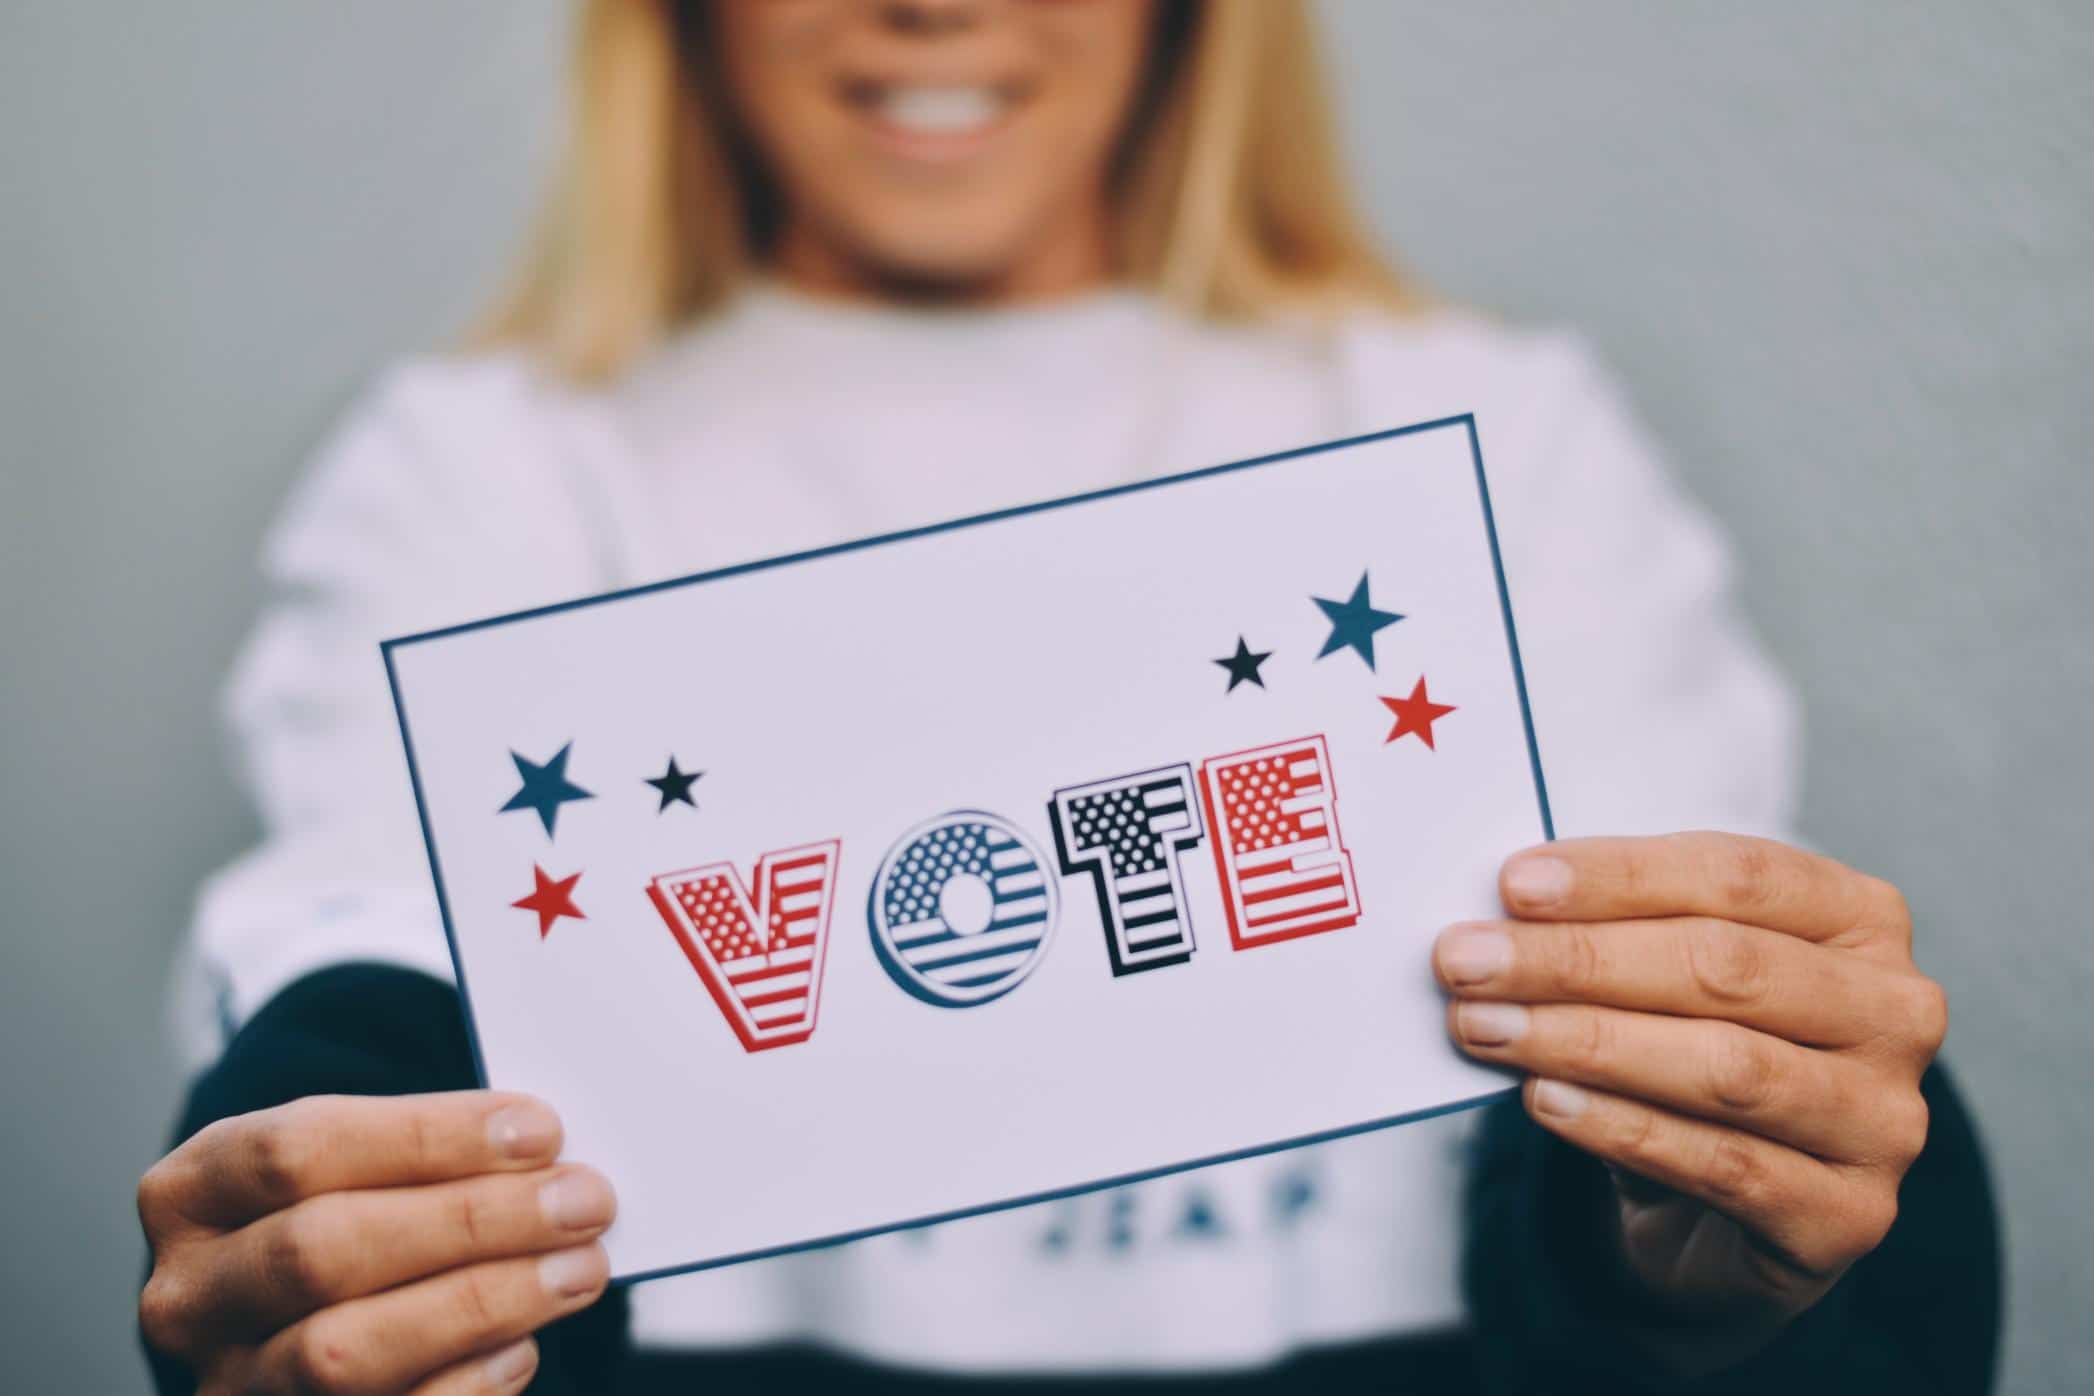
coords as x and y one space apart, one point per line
545 788
1127 833
1353 623
760 956
551 899
1415 715
1284 868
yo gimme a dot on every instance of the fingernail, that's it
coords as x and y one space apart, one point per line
524 1130
1559 1098
1491 1024
576 1201
512 1364
1470 957
571 1273
1537 882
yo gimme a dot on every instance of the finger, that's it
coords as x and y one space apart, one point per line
1812 1215
1754 881
1819 1102
391 1341
341 1245
245 1167
495 1374
1693 966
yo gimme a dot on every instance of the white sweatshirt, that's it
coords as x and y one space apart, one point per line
465 487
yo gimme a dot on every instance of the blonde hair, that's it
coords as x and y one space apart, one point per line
1230 199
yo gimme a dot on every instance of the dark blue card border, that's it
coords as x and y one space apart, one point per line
1466 421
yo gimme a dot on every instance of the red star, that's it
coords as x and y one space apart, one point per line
1415 714
551 900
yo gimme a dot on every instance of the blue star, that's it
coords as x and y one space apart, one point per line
1353 623
545 788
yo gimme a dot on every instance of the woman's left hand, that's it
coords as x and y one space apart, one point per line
1736 1027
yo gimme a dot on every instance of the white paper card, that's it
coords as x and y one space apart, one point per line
1010 872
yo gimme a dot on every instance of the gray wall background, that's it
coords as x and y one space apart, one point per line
1843 254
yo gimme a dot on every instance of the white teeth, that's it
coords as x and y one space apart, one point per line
940 110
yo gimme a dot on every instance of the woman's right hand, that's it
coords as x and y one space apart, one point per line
370 1244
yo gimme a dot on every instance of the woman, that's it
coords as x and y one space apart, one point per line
825 268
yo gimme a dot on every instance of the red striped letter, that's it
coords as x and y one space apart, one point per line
762 961
1272 819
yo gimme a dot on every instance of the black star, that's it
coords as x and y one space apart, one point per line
1243 665
675 785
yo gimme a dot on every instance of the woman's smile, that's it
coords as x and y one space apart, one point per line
936 123
964 148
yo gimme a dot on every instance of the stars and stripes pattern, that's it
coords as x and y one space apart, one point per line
962 909
1127 832
1284 868
761 959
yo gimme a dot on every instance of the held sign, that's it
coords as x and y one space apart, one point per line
922 875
